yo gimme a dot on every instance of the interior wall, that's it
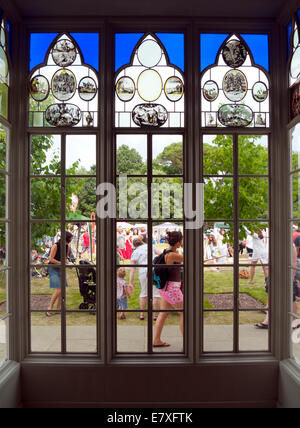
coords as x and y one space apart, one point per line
10 387
211 385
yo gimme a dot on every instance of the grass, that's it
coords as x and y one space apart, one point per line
214 282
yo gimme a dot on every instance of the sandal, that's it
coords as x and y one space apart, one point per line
262 326
162 345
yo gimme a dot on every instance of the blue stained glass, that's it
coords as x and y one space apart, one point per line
124 45
87 42
289 34
174 45
89 46
39 45
298 13
9 35
210 45
259 46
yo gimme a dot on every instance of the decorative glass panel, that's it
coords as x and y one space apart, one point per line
294 71
63 89
149 89
235 90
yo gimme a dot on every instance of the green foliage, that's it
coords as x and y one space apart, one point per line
170 161
130 162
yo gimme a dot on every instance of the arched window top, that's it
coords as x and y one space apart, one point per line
294 60
149 91
63 89
235 90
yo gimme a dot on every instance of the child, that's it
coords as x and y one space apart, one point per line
122 292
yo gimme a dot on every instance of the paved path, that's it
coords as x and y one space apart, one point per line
217 338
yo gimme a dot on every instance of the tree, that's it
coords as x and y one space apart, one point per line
253 192
130 162
170 160
87 193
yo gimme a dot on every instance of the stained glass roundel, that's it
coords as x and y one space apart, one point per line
260 92
235 85
125 89
64 53
296 38
63 85
174 88
149 85
87 89
234 53
39 88
210 91
149 53
295 64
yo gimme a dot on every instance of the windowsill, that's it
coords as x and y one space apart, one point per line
155 360
292 368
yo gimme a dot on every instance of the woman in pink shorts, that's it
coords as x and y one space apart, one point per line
171 295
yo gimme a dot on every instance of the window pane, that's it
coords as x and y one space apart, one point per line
172 333
218 331
45 155
132 154
3 244
218 155
132 198
132 333
254 198
218 198
167 155
251 337
253 155
81 155
80 198
167 198
295 147
45 332
3 196
218 288
45 198
81 291
3 293
81 333
3 149
3 341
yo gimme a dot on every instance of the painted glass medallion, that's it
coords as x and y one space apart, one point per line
3 65
39 88
63 115
149 53
150 85
260 92
174 88
235 115
260 119
235 85
295 64
64 53
210 90
125 89
234 53
87 89
154 115
64 85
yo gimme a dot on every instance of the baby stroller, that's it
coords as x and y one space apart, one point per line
87 285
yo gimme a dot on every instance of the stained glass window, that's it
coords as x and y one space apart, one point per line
63 88
235 90
294 70
149 91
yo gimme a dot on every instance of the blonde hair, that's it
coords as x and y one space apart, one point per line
121 273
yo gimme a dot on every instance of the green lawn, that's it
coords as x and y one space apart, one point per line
214 282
